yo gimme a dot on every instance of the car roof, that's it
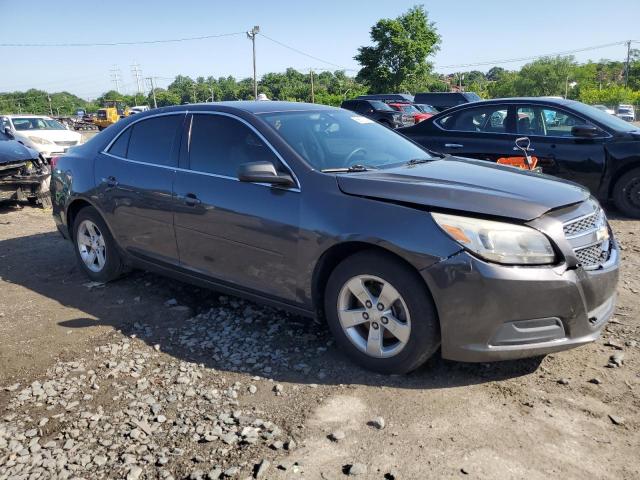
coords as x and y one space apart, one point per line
255 107
509 101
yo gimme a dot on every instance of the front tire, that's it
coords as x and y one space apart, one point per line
626 193
381 313
95 248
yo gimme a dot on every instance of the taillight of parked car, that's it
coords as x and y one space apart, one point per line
53 162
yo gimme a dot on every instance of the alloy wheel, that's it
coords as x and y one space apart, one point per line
92 246
374 316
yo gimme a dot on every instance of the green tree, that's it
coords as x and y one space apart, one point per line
545 77
398 58
164 98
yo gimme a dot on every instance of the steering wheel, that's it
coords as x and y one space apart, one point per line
353 154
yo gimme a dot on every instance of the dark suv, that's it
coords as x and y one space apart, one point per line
326 213
379 111
444 100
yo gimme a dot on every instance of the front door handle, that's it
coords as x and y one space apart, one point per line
110 181
191 200
453 145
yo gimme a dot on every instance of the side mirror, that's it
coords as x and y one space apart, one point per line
584 131
8 132
263 172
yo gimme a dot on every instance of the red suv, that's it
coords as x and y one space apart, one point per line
411 110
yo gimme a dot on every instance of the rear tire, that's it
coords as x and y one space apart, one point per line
95 248
626 193
395 338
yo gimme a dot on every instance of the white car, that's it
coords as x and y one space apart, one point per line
626 112
138 109
44 134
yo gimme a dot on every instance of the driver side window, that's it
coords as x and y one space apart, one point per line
546 121
219 145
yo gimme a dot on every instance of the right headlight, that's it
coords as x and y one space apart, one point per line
500 242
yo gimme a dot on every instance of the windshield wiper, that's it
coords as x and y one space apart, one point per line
351 169
417 161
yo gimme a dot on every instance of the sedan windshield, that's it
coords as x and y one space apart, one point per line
602 117
336 139
35 123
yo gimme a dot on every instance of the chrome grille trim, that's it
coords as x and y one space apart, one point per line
584 234
66 143
582 225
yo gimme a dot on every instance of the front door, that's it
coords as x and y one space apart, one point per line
242 234
134 181
559 153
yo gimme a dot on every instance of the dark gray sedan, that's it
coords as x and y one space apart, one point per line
327 213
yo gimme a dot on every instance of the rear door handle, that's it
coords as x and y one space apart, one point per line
111 182
453 145
191 199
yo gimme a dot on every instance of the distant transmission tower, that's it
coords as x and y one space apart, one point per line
115 77
137 74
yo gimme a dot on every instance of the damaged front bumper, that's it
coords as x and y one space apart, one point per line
25 180
492 312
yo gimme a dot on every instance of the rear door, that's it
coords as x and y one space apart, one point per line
134 179
242 234
559 153
483 133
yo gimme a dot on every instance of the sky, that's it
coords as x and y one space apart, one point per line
329 30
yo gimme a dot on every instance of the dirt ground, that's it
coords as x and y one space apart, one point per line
568 415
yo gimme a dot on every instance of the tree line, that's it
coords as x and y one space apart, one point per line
398 61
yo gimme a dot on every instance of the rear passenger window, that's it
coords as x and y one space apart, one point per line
220 144
119 148
491 119
152 140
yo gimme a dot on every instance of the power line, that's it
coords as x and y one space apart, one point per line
534 57
115 44
304 53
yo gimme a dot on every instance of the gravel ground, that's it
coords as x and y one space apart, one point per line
149 378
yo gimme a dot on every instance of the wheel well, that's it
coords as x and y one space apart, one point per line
72 213
330 260
620 173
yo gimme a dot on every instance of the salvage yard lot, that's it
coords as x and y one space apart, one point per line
151 378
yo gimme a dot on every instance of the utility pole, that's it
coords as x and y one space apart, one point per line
194 94
115 77
153 92
212 99
137 74
313 98
626 68
50 109
251 34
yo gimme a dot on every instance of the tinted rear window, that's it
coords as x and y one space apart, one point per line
152 140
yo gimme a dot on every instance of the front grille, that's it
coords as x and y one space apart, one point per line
584 224
66 144
593 255
589 235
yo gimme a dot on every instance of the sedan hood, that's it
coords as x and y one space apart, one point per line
467 186
13 151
